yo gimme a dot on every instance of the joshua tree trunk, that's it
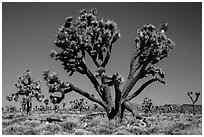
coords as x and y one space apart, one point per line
193 108
28 106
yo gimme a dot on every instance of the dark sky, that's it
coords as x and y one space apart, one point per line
29 30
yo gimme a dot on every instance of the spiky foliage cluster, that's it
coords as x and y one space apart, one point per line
190 94
108 80
152 44
147 105
78 104
27 88
56 85
86 34
46 101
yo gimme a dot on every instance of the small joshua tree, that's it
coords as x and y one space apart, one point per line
78 104
23 104
147 105
64 105
95 37
46 101
28 89
190 94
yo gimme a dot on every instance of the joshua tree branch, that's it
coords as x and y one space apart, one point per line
92 78
106 59
130 83
136 93
134 68
197 96
87 95
94 60
191 97
133 79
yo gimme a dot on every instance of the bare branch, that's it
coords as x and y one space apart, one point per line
106 59
197 96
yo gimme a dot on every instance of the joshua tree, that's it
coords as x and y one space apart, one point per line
190 94
94 37
78 104
46 101
28 89
63 105
147 105
23 104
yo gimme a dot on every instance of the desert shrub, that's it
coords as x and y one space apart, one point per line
135 130
97 121
101 126
193 131
19 115
65 116
46 133
30 131
14 129
18 120
181 126
153 130
8 116
82 132
68 126
152 119
51 128
122 132
5 123
103 131
29 123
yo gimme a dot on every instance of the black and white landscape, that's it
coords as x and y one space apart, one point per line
103 68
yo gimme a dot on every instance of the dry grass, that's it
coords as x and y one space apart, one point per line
78 124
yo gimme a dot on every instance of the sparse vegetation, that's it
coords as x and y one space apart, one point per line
74 124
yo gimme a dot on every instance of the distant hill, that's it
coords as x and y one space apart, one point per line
183 107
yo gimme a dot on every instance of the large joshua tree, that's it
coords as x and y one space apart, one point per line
28 89
90 36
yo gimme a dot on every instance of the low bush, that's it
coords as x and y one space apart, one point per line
14 129
82 132
68 126
51 128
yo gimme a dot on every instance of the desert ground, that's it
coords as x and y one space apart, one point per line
96 123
